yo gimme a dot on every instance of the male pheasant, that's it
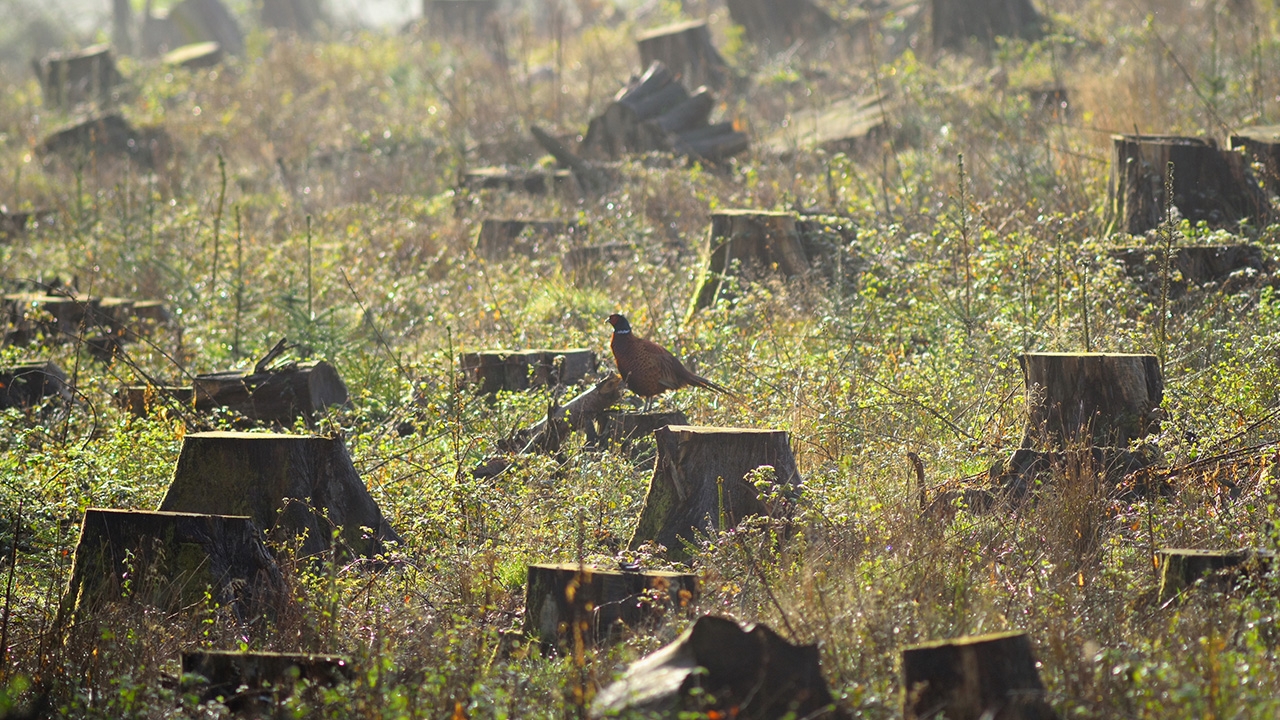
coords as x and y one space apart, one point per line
648 368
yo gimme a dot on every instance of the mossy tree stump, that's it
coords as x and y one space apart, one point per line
26 384
971 678
686 48
749 244
1209 184
298 488
1181 568
498 238
698 486
520 370
274 395
69 78
1096 399
722 669
957 22
169 560
566 602
226 672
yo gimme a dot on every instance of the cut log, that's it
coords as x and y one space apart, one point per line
698 487
1231 267
972 678
170 560
621 427
601 604
686 49
498 238
1097 399
532 182
459 18
520 370
778 24
227 675
25 384
688 115
195 56
957 22
1180 569
109 136
88 75
1209 184
717 668
297 488
142 400
748 244
1261 145
279 395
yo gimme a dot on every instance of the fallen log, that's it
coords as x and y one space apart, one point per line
567 603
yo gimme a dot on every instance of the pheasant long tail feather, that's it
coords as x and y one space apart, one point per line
702 382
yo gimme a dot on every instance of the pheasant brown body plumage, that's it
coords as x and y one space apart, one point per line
648 368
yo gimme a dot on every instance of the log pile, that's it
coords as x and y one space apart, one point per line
655 112
70 78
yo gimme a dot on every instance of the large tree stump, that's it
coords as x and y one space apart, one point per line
26 384
1229 266
273 395
1098 399
109 136
88 75
299 16
721 669
169 560
499 238
973 678
778 24
698 487
1209 184
586 264
956 22
520 370
601 604
748 244
226 672
1224 569
685 48
298 488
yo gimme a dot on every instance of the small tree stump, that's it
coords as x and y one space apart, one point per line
1198 265
274 395
296 487
749 244
1209 184
26 384
1104 400
604 604
195 56
1261 145
722 669
1181 568
498 238
169 560
226 672
141 400
777 24
698 487
109 136
520 370
88 75
459 18
621 428
685 48
532 182
970 678
956 22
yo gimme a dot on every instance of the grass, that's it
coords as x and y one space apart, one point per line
366 135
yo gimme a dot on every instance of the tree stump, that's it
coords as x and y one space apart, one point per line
685 48
299 16
226 672
141 400
970 678
274 395
1261 145
1223 569
956 22
498 238
109 136
749 244
550 432
721 669
622 428
1228 266
777 24
192 21
169 560
698 487
603 604
459 18
25 384
195 56
298 488
521 370
70 78
532 182
1099 399
1209 184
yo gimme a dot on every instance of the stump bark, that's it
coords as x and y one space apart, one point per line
1181 568
70 78
973 678
777 24
956 22
1229 266
499 238
721 669
297 488
621 428
565 602
686 48
168 560
1098 399
226 672
520 370
697 485
273 395
749 244
1209 184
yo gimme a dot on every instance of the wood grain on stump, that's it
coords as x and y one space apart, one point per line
698 487
749 244
1099 399
297 488
956 22
686 48
520 370
973 678
499 238
603 604
1181 568
275 395
25 384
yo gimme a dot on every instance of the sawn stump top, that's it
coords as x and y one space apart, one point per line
715 430
968 640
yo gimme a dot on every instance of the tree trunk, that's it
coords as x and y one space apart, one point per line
955 22
205 20
1209 184
520 370
226 672
498 238
686 49
601 605
974 678
1180 568
761 243
1229 266
1103 400
698 487
277 395
25 384
298 488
